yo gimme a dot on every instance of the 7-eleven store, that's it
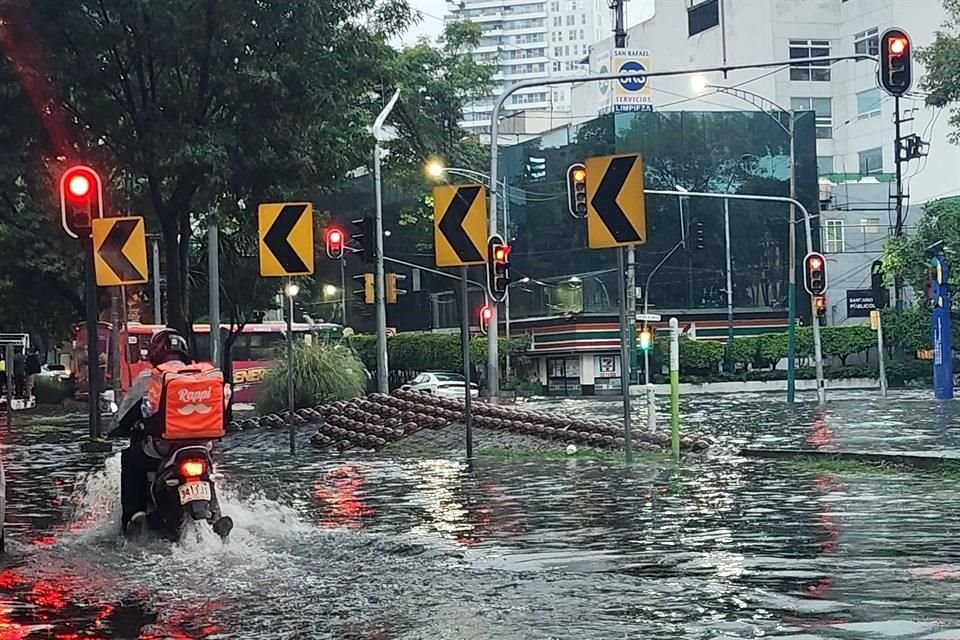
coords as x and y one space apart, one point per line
580 355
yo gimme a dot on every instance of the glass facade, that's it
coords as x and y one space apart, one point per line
740 152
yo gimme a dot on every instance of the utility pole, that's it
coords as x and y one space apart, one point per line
620 42
213 267
898 229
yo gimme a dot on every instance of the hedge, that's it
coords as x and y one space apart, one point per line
425 351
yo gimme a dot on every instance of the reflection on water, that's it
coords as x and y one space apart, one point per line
376 547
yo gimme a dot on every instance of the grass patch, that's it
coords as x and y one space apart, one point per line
946 469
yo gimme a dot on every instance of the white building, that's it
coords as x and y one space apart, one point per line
530 39
854 118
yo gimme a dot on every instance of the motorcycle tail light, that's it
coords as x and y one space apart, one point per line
192 469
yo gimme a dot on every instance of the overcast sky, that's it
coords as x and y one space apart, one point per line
433 11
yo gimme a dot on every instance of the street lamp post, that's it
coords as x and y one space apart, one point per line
291 291
768 107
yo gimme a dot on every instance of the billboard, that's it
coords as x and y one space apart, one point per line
630 93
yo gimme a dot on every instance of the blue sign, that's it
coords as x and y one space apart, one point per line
638 80
633 108
940 326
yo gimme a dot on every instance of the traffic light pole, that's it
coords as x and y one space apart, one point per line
624 359
898 229
465 344
93 360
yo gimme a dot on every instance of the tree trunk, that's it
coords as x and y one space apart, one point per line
176 283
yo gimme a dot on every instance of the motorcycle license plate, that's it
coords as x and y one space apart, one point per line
192 491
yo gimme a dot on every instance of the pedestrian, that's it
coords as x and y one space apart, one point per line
32 368
19 374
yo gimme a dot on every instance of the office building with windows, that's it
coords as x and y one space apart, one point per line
854 118
531 39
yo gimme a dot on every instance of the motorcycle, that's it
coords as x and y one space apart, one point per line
183 489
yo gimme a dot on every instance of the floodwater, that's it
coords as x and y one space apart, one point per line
378 547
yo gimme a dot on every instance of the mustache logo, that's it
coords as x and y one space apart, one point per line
190 409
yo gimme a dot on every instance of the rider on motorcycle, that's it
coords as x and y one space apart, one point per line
167 347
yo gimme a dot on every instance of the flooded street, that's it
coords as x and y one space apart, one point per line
383 547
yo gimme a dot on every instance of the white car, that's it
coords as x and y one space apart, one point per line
443 384
55 371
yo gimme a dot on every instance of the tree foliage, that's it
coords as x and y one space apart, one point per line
941 60
201 105
908 258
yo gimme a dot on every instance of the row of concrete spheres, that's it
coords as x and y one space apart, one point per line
551 426
379 419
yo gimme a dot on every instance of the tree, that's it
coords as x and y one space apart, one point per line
940 61
211 102
907 257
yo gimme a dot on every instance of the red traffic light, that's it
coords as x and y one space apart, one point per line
81 200
334 239
501 253
486 313
79 185
897 45
815 263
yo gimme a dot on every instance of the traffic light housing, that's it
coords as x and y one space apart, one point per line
498 268
335 239
367 293
364 241
645 338
390 284
896 64
698 234
820 304
881 297
81 200
815 273
577 189
486 313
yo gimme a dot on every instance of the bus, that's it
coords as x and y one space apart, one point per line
252 354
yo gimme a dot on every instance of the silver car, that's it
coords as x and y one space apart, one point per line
443 384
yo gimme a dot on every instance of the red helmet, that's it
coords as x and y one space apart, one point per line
167 344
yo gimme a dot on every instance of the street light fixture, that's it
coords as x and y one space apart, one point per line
329 290
292 290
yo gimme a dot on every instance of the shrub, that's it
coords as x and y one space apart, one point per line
321 373
425 351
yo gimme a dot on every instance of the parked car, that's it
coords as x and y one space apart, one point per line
55 371
442 383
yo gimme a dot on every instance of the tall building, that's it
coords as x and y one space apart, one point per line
527 40
854 118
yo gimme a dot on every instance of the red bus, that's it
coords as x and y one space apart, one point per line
253 351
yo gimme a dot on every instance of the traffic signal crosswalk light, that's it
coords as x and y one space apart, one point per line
896 66
820 304
367 293
486 313
81 200
577 189
645 338
815 274
390 284
364 241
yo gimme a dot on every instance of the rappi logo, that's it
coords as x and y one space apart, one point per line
193 401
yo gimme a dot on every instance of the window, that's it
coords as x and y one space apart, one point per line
702 15
813 71
576 49
554 6
558 36
824 165
581 34
557 52
834 234
868 103
573 34
870 225
556 66
557 21
571 20
871 161
566 50
823 109
867 42
583 18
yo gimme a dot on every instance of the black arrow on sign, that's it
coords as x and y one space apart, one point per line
451 224
277 238
605 200
112 251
